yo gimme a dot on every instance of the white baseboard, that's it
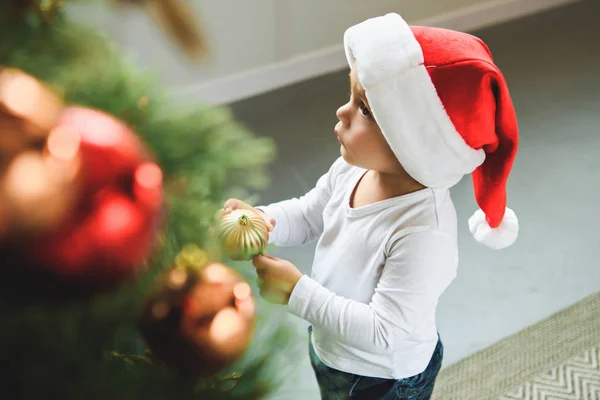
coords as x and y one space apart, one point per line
263 79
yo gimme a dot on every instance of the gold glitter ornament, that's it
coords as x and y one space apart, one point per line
243 234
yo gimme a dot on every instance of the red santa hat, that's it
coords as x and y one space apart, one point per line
444 109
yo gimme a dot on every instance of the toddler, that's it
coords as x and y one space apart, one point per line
427 106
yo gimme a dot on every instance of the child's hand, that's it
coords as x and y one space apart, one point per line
277 278
235 204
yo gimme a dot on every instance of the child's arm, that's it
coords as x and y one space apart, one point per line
300 220
419 268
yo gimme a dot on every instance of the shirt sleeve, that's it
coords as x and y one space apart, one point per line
300 220
419 267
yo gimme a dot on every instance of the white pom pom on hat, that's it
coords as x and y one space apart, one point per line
444 109
497 238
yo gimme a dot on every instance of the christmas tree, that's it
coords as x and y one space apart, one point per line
80 282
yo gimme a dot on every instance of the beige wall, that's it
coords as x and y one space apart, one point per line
247 34
258 45
315 24
241 32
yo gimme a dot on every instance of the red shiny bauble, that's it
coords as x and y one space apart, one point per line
114 224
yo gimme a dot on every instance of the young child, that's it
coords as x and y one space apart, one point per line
427 106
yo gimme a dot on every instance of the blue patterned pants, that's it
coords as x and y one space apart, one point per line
338 385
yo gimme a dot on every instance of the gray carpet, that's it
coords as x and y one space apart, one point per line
553 359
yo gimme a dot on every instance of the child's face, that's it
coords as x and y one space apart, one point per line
362 143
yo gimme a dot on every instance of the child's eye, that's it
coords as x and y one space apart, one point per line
365 110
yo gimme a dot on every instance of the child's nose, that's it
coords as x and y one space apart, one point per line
343 113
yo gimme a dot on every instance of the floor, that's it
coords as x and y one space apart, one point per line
552 64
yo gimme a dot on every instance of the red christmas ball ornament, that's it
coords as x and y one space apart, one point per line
115 221
109 148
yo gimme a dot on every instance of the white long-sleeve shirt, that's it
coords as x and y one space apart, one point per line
377 274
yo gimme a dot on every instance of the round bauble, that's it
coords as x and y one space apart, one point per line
114 220
243 234
199 320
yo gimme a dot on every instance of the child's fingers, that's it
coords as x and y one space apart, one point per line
235 204
263 261
270 223
259 265
261 270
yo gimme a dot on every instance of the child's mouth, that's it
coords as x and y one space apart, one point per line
337 135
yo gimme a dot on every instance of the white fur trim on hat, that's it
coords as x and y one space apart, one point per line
389 63
497 238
